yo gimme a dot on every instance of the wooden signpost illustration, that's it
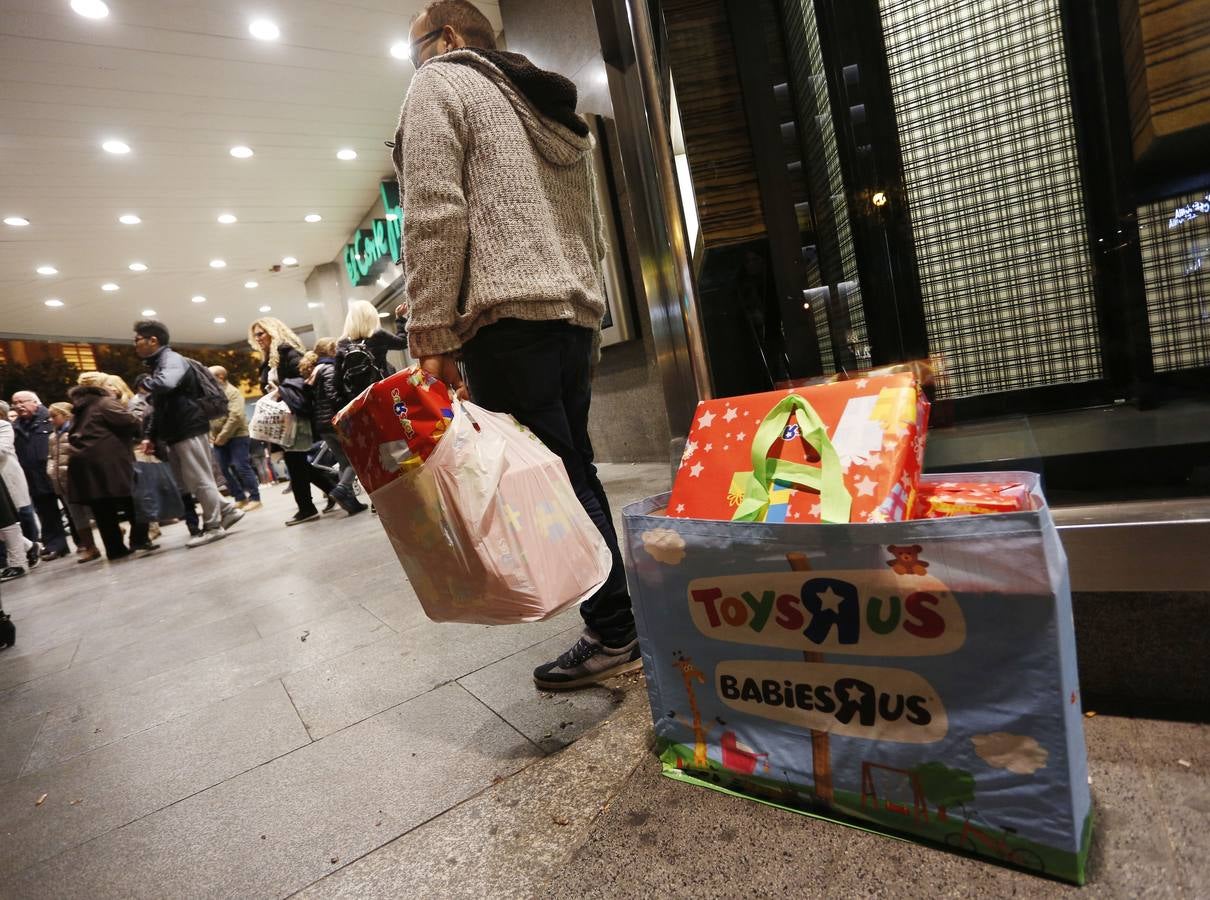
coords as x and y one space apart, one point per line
821 753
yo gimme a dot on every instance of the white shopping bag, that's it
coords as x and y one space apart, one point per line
272 422
489 530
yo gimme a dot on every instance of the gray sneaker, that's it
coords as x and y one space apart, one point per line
587 662
209 536
231 515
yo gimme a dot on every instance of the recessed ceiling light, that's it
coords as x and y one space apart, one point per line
289 261
383 315
313 217
219 320
118 148
16 221
227 219
129 219
137 267
90 9
314 305
401 50
241 152
148 313
264 30
251 284
198 298
346 154
54 302
266 308
109 286
47 270
218 263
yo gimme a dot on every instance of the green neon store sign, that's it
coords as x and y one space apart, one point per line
373 248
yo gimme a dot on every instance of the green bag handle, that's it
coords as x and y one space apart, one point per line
828 478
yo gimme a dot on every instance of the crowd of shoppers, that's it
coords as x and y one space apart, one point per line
503 244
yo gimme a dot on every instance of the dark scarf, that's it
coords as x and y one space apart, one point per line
551 94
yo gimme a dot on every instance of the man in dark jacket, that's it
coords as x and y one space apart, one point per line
33 430
177 419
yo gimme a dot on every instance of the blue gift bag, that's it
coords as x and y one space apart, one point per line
912 677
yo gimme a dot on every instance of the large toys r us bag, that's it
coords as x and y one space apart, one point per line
914 677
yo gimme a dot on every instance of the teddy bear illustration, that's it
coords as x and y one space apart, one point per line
906 561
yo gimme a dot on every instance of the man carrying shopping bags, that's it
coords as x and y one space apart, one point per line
502 243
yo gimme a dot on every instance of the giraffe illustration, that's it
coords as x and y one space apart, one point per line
690 672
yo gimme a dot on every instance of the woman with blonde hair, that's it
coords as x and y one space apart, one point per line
60 452
361 352
144 519
115 384
281 352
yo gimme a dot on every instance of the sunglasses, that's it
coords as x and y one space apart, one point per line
419 44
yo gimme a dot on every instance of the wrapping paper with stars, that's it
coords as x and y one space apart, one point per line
876 425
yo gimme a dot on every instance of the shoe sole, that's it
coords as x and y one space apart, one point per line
231 520
189 546
291 522
589 679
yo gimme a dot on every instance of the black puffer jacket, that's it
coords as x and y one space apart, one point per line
175 414
288 359
327 395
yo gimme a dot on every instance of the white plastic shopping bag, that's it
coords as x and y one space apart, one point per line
489 529
272 422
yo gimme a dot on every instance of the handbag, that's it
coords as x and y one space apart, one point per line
272 421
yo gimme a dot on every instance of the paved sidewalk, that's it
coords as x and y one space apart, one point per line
272 716
247 718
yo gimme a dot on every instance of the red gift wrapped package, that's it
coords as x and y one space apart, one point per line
394 425
940 500
850 451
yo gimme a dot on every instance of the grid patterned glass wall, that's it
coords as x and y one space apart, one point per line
1174 237
993 188
851 292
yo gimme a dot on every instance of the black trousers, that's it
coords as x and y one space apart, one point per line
106 512
539 372
54 538
302 476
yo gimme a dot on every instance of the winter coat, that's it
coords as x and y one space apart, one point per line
380 343
235 423
10 466
327 395
33 446
103 433
60 453
8 512
175 414
288 359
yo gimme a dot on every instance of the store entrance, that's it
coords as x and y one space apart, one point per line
881 181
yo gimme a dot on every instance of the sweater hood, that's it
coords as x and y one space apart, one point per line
545 101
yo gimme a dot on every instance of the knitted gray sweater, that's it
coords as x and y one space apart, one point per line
500 218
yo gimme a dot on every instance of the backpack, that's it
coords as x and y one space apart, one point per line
359 369
211 398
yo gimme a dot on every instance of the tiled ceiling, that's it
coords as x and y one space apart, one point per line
182 83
